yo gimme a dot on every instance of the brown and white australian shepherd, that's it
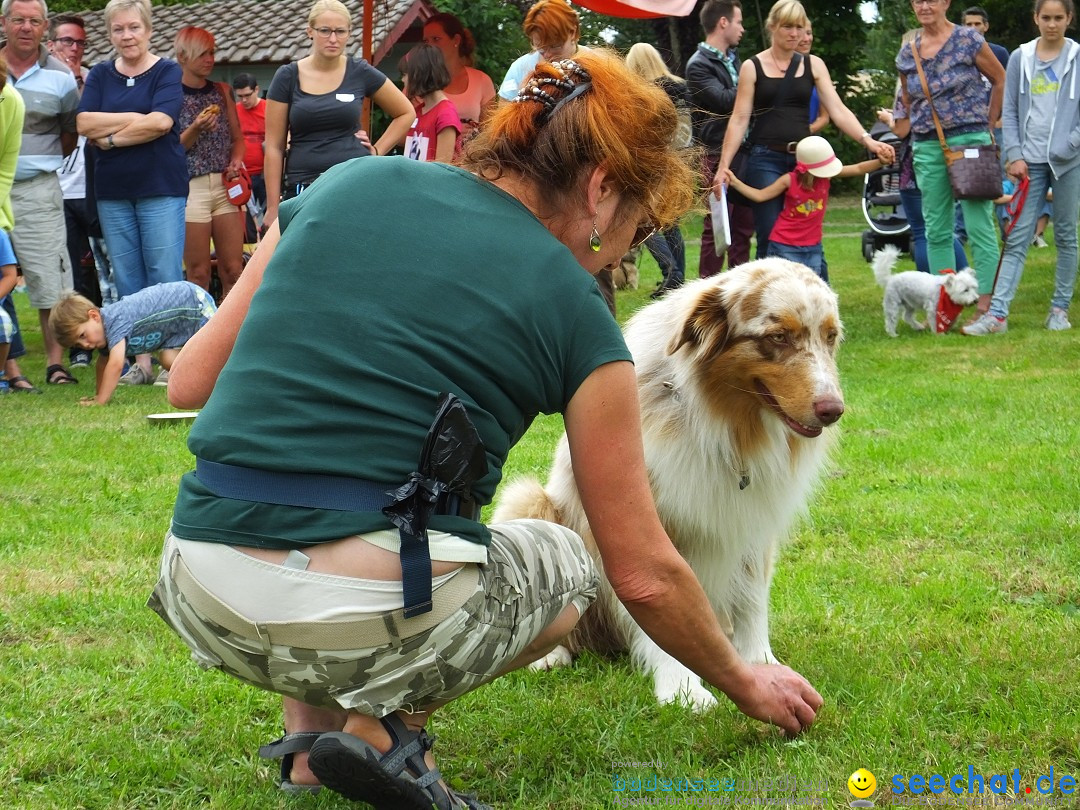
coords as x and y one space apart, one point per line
737 380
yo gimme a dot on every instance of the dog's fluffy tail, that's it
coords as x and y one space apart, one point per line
883 263
525 498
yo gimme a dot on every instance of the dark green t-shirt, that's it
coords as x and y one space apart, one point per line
394 280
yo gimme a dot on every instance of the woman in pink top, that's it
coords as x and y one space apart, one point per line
798 230
471 90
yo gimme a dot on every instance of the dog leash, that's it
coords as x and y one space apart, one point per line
1013 208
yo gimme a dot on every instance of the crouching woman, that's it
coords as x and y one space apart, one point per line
289 565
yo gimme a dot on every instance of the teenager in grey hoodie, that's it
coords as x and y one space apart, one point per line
1042 143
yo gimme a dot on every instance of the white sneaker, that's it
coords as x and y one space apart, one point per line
986 325
1039 242
1058 320
162 378
136 376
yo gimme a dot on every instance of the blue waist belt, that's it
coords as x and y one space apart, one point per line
312 490
343 494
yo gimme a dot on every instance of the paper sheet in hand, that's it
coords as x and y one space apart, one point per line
721 226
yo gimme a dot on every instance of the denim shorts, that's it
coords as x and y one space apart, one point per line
811 255
534 571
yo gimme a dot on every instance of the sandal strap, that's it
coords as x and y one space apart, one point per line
469 801
402 753
289 744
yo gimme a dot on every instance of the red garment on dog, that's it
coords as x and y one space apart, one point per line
947 310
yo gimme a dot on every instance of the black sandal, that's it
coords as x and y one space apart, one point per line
22 389
397 780
284 748
58 375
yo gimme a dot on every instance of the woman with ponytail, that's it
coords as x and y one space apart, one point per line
559 185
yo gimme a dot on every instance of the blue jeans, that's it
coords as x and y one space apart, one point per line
764 167
911 200
16 348
810 255
1066 208
668 249
145 238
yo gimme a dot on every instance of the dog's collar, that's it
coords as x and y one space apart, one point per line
743 476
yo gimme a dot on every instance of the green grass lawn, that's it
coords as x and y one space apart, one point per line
933 598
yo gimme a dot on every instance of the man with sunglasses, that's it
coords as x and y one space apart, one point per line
67 42
51 95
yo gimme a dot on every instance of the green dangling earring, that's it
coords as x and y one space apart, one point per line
594 240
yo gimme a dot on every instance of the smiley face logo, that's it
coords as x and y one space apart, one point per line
862 784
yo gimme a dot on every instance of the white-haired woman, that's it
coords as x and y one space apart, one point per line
130 110
214 144
667 247
314 105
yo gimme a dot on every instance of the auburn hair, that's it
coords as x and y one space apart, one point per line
453 27
551 20
622 123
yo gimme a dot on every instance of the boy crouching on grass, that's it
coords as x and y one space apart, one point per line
158 319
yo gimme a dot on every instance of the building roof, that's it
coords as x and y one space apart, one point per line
259 31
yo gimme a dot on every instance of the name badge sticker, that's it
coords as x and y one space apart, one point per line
971 154
345 98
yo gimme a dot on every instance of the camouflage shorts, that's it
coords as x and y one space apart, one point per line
534 571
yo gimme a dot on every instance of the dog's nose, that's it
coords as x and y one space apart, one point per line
829 410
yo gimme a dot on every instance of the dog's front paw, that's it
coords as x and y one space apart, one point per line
761 656
559 657
918 326
688 692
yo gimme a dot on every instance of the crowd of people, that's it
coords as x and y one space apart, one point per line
322 534
160 209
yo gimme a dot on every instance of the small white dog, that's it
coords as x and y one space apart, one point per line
912 290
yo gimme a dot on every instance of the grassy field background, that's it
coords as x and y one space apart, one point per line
933 598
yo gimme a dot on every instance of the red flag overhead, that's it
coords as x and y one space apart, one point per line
640 8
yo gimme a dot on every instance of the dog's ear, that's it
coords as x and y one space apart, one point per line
708 319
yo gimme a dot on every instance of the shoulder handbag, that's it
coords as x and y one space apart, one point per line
974 171
739 163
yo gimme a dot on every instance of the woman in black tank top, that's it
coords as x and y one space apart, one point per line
778 109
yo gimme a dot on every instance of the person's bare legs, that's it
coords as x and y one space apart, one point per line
302 717
228 232
166 357
54 352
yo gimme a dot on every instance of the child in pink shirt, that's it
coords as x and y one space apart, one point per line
436 131
798 230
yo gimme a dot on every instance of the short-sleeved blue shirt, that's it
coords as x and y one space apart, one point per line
157 168
164 316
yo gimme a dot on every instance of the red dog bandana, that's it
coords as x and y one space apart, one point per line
947 310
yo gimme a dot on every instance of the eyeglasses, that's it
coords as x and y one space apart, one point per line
69 42
930 3
245 96
18 22
642 233
549 48
325 32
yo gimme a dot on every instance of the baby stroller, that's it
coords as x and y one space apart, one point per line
881 203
